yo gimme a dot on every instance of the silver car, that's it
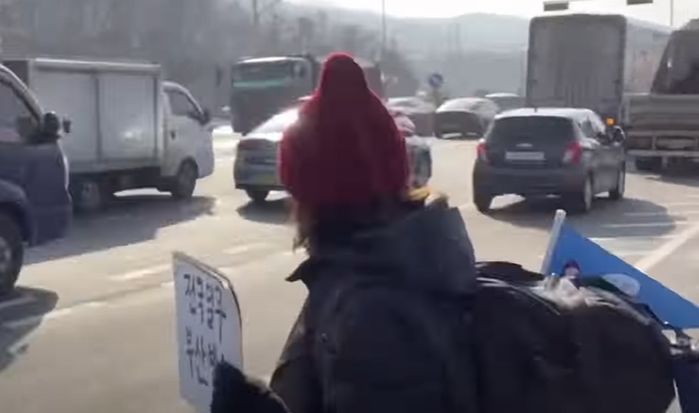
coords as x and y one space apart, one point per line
255 168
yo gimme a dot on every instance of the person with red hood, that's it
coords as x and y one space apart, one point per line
390 274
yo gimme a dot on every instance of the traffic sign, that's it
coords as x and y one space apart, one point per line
436 80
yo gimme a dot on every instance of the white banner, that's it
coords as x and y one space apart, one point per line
208 327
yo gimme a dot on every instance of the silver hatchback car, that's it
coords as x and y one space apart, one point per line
255 168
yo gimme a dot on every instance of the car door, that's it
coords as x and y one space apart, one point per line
609 152
597 151
187 131
36 166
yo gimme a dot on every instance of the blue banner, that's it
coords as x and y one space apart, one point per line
575 255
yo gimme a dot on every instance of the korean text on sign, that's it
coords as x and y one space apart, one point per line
208 328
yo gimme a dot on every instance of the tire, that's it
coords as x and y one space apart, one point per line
11 253
89 195
653 164
482 201
580 202
423 172
257 196
185 181
617 193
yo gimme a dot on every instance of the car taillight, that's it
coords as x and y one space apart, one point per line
573 153
482 151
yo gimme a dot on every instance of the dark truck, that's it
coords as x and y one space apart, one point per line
262 87
663 125
35 206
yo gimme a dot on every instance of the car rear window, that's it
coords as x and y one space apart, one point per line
531 129
278 123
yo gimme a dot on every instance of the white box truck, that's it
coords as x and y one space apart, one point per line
591 61
128 128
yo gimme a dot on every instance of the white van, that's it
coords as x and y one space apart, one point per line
128 128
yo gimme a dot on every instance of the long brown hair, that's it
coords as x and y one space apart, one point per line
337 224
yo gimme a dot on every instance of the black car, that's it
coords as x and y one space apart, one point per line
466 117
563 152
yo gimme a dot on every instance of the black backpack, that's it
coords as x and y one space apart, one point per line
563 349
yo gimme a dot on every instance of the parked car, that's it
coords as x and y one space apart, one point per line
506 101
129 128
420 112
466 117
35 205
565 152
255 167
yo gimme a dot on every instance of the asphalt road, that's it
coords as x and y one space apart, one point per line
91 328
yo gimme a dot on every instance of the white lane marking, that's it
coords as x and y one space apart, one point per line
660 214
141 273
239 249
660 224
234 269
53 315
678 204
632 253
21 300
621 238
667 249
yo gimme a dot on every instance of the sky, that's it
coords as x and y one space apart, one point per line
658 12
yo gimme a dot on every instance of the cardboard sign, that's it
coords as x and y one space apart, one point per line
208 328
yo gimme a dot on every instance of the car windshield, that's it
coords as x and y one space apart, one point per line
278 123
461 104
531 128
246 74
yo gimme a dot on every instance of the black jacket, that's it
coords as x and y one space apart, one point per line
384 348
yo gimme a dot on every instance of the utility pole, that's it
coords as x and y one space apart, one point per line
383 26
672 13
255 13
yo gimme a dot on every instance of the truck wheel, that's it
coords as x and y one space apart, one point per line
185 181
258 196
580 202
88 195
11 253
653 164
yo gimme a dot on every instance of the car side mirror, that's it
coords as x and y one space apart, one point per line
50 126
67 125
205 116
618 135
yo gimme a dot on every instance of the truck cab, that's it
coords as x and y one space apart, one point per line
35 205
263 86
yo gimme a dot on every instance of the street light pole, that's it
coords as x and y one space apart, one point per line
383 26
672 13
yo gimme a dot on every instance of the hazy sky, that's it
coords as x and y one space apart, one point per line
658 12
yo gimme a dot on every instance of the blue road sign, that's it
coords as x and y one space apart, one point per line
436 80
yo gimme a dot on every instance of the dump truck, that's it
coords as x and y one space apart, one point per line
663 125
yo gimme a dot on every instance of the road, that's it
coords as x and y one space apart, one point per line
91 328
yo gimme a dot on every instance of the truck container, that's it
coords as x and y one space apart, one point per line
591 61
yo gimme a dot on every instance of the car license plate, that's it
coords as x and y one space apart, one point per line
524 156
264 178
